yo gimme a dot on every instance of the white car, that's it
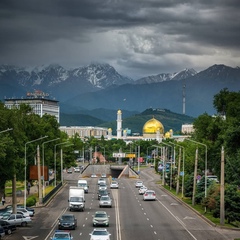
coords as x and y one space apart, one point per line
93 175
138 184
102 186
77 169
105 201
17 219
114 184
142 190
149 195
100 234
101 180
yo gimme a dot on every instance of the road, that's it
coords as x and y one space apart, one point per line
130 217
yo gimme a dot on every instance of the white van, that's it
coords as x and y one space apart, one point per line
213 178
83 184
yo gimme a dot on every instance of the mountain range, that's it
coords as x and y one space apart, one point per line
98 90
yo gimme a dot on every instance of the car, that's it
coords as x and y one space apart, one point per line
102 186
100 234
27 208
62 235
93 175
213 178
102 193
100 218
114 184
8 228
17 219
22 210
149 195
77 169
69 170
2 233
142 190
101 180
138 184
67 221
104 175
105 201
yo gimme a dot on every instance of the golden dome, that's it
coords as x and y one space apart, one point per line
119 111
167 135
152 126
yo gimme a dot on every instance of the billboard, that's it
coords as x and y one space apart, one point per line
34 173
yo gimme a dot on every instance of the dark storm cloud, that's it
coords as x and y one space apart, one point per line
130 34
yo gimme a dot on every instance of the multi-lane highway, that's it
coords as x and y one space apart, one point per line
130 217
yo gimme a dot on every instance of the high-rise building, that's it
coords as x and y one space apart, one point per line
39 102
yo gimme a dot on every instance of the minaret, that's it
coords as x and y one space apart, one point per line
119 124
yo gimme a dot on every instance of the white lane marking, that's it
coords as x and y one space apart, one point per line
118 223
183 225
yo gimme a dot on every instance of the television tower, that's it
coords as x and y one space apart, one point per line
184 97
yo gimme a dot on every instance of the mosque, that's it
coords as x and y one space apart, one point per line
152 130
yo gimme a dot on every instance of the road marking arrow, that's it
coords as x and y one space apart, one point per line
29 237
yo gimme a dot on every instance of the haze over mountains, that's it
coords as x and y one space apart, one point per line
100 86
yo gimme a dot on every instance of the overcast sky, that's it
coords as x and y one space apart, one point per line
137 37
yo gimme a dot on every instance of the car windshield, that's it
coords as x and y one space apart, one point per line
97 232
100 215
68 218
75 199
105 198
61 235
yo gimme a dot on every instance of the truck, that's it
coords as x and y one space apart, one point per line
83 184
76 199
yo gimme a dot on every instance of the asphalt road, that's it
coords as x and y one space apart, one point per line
130 217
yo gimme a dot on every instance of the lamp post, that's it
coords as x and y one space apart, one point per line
25 172
171 165
43 162
205 164
62 161
183 167
55 162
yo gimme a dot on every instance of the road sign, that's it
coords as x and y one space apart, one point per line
119 155
130 155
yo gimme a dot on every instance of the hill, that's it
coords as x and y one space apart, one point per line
170 120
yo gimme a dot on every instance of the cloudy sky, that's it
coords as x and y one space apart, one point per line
137 37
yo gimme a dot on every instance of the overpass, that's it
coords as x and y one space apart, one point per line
116 171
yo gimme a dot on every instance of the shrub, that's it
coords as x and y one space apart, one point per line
31 201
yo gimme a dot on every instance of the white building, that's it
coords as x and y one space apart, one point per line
38 102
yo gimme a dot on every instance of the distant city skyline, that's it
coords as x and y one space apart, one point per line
138 38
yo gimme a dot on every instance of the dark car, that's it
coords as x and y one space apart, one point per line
102 193
67 221
2 233
8 228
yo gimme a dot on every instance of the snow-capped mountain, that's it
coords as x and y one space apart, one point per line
58 81
100 86
186 73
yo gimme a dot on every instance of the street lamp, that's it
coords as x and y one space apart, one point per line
171 165
61 154
25 174
55 160
43 162
183 167
205 164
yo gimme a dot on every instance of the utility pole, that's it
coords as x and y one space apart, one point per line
222 203
39 176
179 167
195 177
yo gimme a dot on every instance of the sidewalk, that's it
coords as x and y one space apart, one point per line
19 196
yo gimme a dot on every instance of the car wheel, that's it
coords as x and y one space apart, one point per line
23 224
9 231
